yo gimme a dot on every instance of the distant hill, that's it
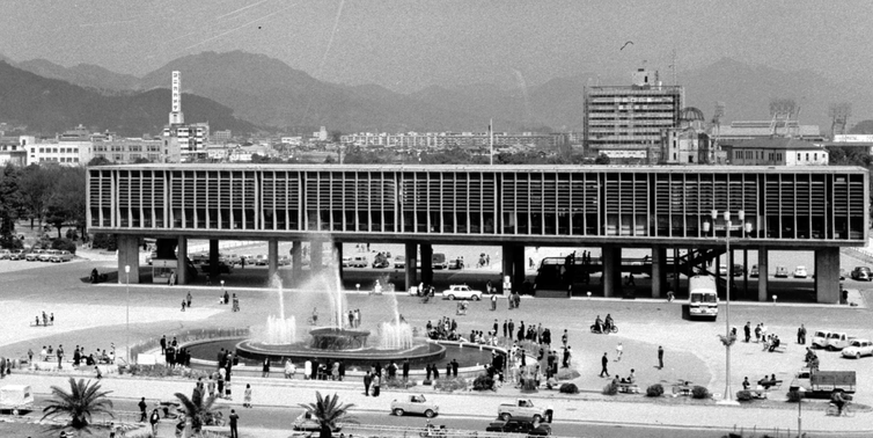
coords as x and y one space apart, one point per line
84 75
50 105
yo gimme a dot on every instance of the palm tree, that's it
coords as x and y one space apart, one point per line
84 400
198 410
327 411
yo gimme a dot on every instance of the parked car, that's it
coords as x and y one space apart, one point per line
34 255
461 292
414 404
4 254
223 268
357 262
858 348
524 408
306 422
47 255
838 340
17 254
753 273
800 272
520 426
820 338
61 256
456 264
861 273
260 260
781 272
399 262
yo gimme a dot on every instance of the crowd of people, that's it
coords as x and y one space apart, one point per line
47 319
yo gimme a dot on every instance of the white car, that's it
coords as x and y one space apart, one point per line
820 338
306 422
61 256
858 348
414 404
800 272
837 341
462 292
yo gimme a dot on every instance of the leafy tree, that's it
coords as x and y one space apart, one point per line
198 409
10 207
327 411
141 160
36 187
84 400
602 159
67 204
99 161
862 127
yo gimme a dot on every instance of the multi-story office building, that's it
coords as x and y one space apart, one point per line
761 129
455 139
776 152
627 121
129 150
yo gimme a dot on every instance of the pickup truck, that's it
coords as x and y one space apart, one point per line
524 408
823 383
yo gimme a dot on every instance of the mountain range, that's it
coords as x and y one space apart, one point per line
267 92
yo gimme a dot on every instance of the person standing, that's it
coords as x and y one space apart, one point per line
801 335
455 366
368 379
566 360
604 362
265 369
188 299
142 410
660 357
747 331
153 421
290 369
494 304
247 396
163 344
505 327
377 382
234 420
405 369
60 354
619 350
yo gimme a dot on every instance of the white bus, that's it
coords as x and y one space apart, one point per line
702 297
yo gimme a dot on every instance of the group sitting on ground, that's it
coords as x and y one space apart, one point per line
767 383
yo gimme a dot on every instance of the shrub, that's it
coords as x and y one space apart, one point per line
64 244
450 385
11 242
398 383
611 388
569 388
699 392
655 390
567 374
105 241
483 382
795 396
744 395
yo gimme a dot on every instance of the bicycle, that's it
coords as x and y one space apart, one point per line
834 411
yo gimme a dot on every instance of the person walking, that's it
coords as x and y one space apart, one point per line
188 299
247 396
234 421
494 303
660 357
290 369
604 362
368 379
142 410
619 350
153 421
747 331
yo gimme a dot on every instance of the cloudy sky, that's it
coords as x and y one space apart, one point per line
407 44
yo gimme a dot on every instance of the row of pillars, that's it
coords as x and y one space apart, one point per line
827 264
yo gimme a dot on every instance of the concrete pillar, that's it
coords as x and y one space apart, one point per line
182 261
128 255
411 257
507 266
338 253
272 258
827 275
659 271
296 262
214 272
518 264
315 254
427 263
611 258
763 273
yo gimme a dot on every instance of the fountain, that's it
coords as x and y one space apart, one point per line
278 339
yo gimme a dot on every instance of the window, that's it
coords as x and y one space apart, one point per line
798 156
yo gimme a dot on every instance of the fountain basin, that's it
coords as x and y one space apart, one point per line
300 352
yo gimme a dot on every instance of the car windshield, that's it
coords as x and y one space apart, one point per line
834 336
821 334
702 298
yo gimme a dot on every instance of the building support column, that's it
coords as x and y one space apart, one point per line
214 271
763 273
659 271
296 262
410 267
827 276
338 256
611 259
182 261
427 263
272 258
518 264
506 262
128 255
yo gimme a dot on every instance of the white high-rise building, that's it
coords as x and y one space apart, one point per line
176 116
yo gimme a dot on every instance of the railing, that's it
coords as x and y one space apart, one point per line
406 431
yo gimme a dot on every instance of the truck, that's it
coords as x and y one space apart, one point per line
438 261
16 398
524 408
823 383
702 297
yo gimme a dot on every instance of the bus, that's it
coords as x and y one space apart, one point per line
702 297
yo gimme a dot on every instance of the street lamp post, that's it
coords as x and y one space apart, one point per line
127 329
728 399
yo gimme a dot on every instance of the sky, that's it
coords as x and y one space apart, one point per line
406 45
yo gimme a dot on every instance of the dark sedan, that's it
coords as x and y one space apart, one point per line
520 426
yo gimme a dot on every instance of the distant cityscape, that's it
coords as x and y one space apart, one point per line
644 122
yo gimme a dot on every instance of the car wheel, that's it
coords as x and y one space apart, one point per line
506 416
429 413
476 298
451 298
398 412
857 355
